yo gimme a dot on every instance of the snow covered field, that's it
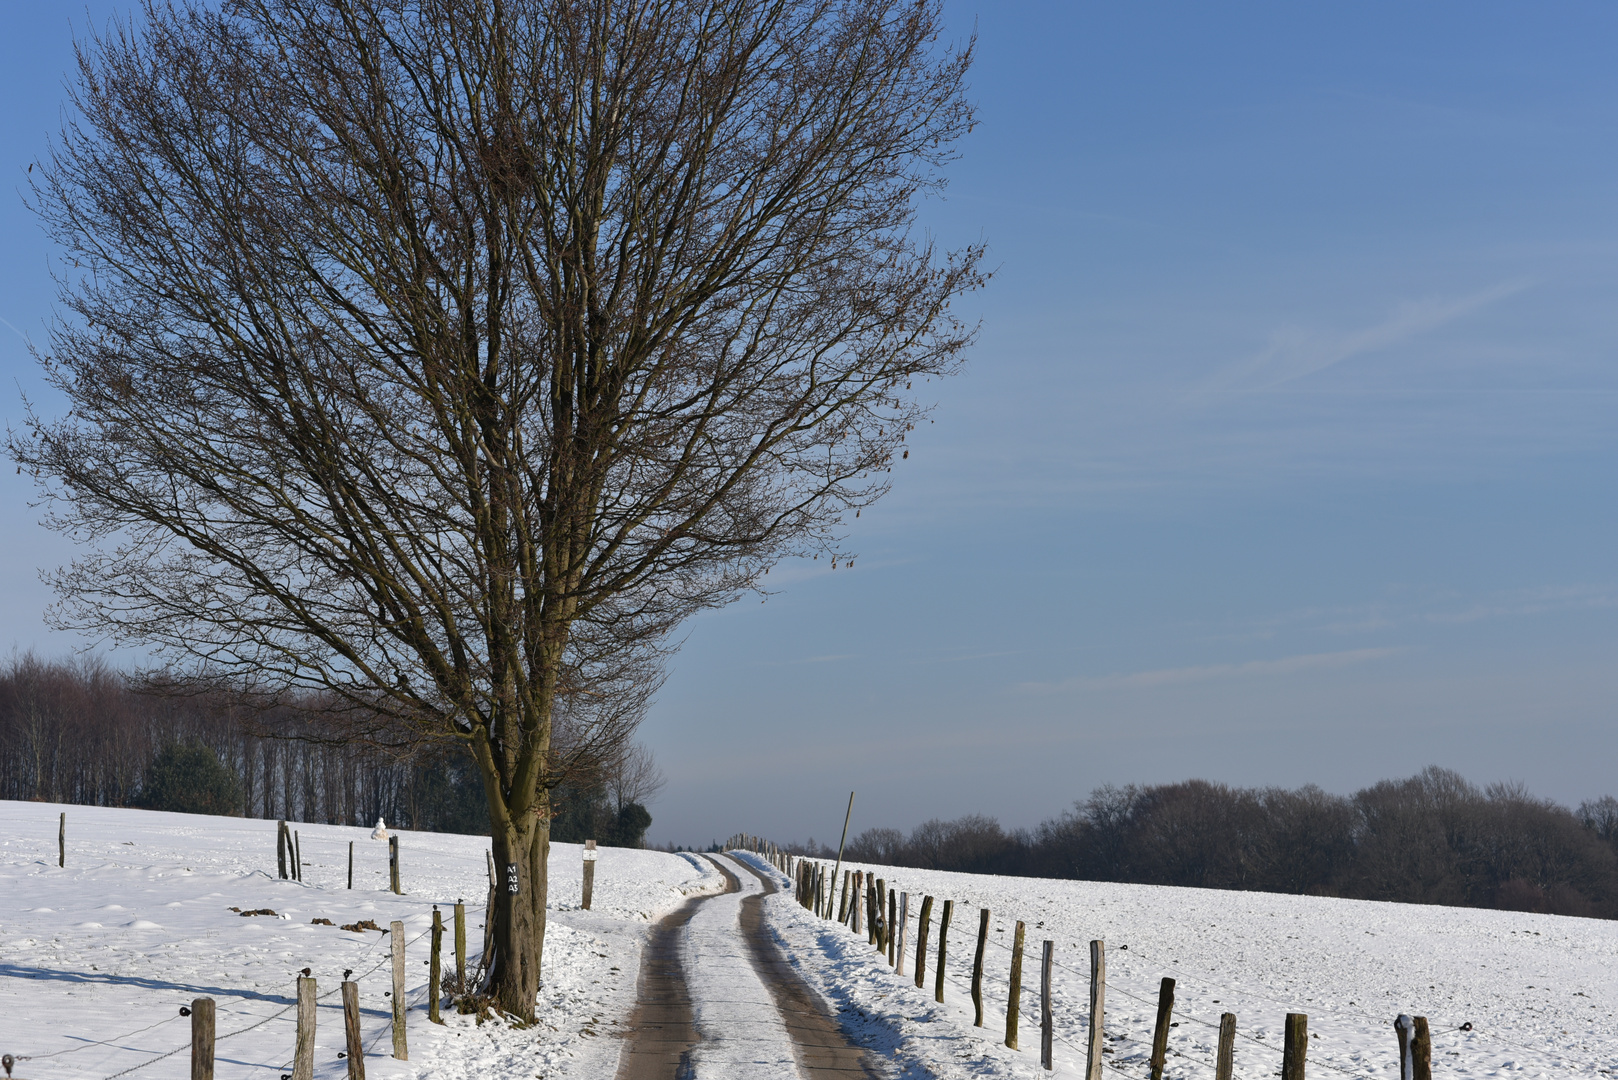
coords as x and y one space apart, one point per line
1540 991
96 959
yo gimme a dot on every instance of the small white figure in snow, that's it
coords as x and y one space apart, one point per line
381 830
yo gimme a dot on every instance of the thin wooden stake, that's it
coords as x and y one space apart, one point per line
1160 1035
297 856
393 864
202 1031
1047 1025
460 946
351 1029
943 947
1014 995
1296 1049
903 932
847 814
1225 1063
1098 1008
281 849
922 925
977 967
589 886
351 864
303 1058
433 968
61 845
401 1049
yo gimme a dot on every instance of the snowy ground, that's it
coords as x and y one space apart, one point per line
1540 991
97 958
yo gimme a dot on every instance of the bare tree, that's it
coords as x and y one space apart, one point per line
443 355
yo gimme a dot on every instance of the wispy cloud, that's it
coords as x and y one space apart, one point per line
1295 352
1285 665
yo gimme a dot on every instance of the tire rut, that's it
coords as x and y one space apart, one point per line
662 1028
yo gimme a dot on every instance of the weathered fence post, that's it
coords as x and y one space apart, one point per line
351 864
202 1030
297 856
1098 1008
1160 1035
589 887
351 1030
281 849
460 947
1415 1048
848 814
1225 1064
842 905
879 922
393 864
1014 994
1047 1024
303 1058
903 927
922 921
61 842
401 1049
891 927
859 895
943 947
977 967
434 969
1296 1048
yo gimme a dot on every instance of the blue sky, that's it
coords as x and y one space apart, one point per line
1286 453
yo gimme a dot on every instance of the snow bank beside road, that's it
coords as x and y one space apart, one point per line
1539 990
97 958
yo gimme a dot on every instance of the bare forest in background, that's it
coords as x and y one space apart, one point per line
83 732
1434 838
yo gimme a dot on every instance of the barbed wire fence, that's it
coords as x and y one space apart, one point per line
823 890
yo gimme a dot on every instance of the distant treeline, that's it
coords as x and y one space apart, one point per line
1432 839
81 732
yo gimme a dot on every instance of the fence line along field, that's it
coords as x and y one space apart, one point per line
1504 994
150 911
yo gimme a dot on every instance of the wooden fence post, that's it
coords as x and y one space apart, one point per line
61 844
1296 1050
589 887
1225 1064
977 967
879 920
922 924
1014 994
1160 1035
303 1058
903 931
351 864
1047 1024
1098 1008
351 1030
1404 1026
202 1030
943 947
859 895
401 1048
434 968
460 947
1421 1051
297 856
842 905
393 864
281 849
891 927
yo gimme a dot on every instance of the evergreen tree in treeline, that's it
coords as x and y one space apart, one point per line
1433 838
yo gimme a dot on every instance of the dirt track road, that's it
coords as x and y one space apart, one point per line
667 1041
